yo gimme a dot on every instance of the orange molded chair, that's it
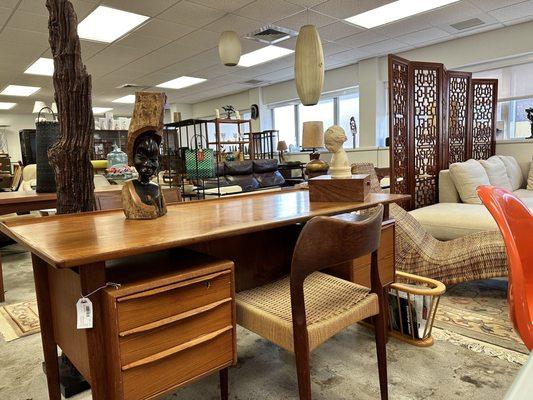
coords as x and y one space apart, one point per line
516 225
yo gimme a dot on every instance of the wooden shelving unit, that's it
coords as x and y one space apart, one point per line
244 143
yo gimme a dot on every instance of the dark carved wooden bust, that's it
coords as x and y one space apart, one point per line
141 198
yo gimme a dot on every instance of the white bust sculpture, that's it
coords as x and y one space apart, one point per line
334 139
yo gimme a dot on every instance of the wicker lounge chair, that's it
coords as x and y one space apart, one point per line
476 256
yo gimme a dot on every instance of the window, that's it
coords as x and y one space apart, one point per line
284 120
323 111
333 109
515 93
349 118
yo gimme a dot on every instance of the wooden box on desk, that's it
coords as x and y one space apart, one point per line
324 188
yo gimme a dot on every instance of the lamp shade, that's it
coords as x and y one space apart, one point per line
309 65
38 106
313 135
229 48
282 145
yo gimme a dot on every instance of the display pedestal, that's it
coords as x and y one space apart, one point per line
325 188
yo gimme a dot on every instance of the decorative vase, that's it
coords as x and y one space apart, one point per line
309 65
116 157
229 48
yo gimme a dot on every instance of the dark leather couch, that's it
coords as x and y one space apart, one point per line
249 175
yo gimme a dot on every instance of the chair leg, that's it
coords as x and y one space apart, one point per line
224 387
2 294
304 372
381 341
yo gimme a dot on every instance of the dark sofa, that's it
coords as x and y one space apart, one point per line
249 175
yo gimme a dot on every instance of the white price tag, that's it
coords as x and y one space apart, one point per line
84 309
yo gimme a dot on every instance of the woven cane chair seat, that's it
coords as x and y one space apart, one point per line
332 304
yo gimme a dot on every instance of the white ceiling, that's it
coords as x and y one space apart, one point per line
181 38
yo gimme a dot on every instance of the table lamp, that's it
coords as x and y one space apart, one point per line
313 138
282 147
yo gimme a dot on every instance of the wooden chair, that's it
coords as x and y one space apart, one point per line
300 312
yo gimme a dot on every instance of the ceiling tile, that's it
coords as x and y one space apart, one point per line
515 11
4 15
150 8
348 8
224 5
296 21
332 48
10 3
452 13
268 11
29 21
231 22
143 42
383 47
403 27
307 3
424 35
199 39
489 5
20 36
164 30
89 49
361 39
194 14
338 30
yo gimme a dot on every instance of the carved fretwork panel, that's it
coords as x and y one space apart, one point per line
399 124
426 132
458 116
484 101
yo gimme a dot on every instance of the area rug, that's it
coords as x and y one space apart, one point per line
479 310
19 320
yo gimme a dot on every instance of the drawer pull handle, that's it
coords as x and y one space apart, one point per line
174 350
174 318
178 285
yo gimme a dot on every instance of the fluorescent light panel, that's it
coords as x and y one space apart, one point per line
101 110
129 99
107 24
395 11
16 90
181 82
6 106
263 55
43 66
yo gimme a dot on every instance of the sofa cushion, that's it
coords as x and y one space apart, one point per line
246 182
268 179
238 167
497 173
446 221
525 195
530 177
268 165
467 176
447 190
514 172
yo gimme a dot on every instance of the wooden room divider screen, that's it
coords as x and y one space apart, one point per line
436 118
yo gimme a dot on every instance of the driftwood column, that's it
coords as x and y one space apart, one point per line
70 156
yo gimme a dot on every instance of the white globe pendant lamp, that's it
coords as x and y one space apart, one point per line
229 48
309 65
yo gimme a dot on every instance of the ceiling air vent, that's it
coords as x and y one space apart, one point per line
254 82
271 34
467 24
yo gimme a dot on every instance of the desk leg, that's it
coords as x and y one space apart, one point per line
40 274
92 277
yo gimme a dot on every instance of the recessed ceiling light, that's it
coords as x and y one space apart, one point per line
263 55
16 90
181 82
101 110
395 11
43 66
107 24
129 99
6 106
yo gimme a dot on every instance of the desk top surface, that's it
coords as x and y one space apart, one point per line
77 239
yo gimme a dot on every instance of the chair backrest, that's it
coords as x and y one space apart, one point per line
516 225
328 241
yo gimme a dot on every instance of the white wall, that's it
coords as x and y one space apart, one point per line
16 122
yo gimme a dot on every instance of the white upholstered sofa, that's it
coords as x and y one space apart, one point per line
452 217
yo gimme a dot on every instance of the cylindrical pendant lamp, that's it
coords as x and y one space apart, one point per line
229 48
309 65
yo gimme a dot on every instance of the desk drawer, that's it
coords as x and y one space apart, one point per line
162 335
163 372
157 304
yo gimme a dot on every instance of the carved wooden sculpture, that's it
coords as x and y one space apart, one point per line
142 199
70 156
